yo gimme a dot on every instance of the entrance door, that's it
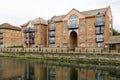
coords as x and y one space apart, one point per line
73 40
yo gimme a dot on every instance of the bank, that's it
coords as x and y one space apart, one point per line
98 59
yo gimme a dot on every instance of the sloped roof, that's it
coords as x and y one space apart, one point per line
9 26
58 18
38 20
89 13
113 40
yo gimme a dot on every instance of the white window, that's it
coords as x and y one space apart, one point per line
99 37
100 45
90 28
89 36
64 31
82 29
82 22
73 19
82 45
82 37
65 24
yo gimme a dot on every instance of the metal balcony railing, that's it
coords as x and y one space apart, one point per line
99 24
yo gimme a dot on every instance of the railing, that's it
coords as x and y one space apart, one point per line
1 32
99 40
31 42
99 31
51 35
29 30
73 26
99 24
1 36
52 42
26 36
51 28
1 42
31 36
26 42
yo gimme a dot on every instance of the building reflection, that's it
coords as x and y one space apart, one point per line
30 70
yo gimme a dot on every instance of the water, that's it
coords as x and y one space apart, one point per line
18 69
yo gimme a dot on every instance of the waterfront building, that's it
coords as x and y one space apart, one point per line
87 29
34 33
9 35
74 30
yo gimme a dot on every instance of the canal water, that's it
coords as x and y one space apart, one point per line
29 69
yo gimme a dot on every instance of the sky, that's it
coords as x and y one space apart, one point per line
18 12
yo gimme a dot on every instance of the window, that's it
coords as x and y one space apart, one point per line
89 45
99 37
65 24
82 29
82 45
82 37
65 38
90 28
99 18
73 19
82 22
64 31
89 36
65 45
100 45
112 47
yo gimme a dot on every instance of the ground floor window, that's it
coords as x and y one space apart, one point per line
99 45
112 47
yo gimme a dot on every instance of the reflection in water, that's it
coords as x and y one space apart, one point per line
15 69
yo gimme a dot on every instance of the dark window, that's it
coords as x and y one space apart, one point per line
112 47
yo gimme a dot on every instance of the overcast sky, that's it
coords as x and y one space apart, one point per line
18 12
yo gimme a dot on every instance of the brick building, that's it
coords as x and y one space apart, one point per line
88 29
9 35
34 33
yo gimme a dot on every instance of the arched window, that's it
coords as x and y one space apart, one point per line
73 19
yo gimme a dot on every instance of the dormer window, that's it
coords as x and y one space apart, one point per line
99 17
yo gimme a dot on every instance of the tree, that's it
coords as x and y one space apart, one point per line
115 32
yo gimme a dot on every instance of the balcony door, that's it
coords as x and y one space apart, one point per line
73 40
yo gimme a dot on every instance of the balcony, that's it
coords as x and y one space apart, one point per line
1 32
73 26
1 42
29 30
26 42
51 35
31 36
26 36
51 28
31 42
52 42
99 24
99 32
99 40
1 37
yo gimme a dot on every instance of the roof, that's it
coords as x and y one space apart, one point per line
58 18
89 13
38 20
9 26
113 40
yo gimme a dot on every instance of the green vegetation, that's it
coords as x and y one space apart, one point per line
115 32
63 59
